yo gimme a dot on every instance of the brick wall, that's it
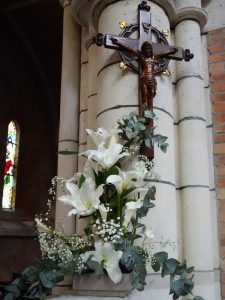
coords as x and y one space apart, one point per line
216 50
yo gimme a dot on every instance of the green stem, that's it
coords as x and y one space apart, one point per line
133 233
105 192
119 209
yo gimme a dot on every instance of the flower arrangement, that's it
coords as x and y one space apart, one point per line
113 196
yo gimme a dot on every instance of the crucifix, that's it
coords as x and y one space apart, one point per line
153 57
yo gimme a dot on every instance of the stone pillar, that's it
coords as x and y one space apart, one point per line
118 95
193 159
69 109
69 122
83 109
114 94
181 217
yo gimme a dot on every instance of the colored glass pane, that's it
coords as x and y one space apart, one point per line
8 200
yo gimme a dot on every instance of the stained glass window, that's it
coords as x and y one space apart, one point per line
9 190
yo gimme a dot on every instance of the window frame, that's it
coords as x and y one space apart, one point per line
4 131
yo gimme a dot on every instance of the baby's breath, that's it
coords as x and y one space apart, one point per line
108 231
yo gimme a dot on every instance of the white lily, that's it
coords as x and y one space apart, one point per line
149 234
85 200
99 136
103 211
106 254
106 157
130 210
132 163
131 207
91 167
124 180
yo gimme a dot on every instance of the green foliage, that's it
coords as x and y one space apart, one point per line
9 296
133 261
37 282
81 181
147 204
181 282
96 267
101 176
135 131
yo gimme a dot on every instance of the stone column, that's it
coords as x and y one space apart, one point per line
83 109
194 190
118 95
69 109
114 94
69 122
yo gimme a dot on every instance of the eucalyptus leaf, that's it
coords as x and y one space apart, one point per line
177 287
156 138
139 126
132 260
151 193
95 266
30 273
48 278
149 114
155 264
169 266
32 286
164 147
162 139
132 114
13 289
9 296
161 257
148 142
190 270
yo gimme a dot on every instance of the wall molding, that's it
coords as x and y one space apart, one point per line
87 12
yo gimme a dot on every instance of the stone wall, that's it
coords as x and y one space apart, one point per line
216 50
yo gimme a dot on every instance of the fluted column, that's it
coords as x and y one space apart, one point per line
69 110
69 122
118 95
193 158
83 109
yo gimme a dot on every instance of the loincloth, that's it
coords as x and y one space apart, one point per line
149 82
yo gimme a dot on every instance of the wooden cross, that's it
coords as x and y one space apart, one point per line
148 54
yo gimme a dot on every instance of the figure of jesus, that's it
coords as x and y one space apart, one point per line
146 58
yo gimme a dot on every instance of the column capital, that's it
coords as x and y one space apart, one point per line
65 3
87 12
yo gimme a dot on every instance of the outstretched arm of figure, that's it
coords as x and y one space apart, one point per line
163 54
124 47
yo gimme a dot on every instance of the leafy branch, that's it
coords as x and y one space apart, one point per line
135 131
37 282
181 280
133 262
